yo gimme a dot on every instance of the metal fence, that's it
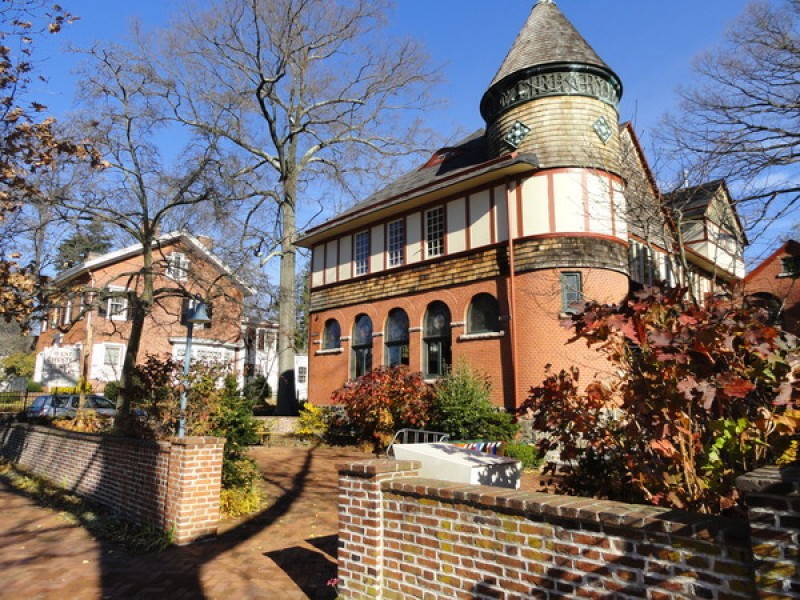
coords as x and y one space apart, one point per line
16 402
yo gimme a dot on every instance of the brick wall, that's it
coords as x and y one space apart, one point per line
773 502
406 537
174 485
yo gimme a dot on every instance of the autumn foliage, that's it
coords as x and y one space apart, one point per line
703 394
385 400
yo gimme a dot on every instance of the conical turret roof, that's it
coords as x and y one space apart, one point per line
547 37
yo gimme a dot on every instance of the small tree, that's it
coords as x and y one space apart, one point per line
704 394
462 408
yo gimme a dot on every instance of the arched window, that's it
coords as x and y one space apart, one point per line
484 314
362 346
331 336
437 339
397 338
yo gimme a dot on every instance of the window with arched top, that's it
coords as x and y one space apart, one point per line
437 340
483 315
361 344
769 303
396 337
331 335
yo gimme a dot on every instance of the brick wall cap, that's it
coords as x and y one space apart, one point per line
196 441
775 479
97 438
556 508
378 466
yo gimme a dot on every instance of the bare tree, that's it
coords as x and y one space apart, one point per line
308 95
742 121
138 193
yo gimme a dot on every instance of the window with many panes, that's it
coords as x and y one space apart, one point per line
434 232
397 243
362 253
361 363
397 338
177 266
437 340
302 374
571 292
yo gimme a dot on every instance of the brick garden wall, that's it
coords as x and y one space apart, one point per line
406 537
172 484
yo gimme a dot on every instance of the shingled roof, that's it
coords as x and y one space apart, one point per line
447 166
547 37
694 201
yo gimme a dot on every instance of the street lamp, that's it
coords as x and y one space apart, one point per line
194 312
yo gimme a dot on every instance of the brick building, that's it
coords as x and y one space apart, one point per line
773 285
86 334
479 253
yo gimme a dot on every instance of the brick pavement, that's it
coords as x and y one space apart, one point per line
286 552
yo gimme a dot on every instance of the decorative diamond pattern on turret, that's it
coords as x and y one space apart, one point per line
603 129
516 134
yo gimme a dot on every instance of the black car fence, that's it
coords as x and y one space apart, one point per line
16 402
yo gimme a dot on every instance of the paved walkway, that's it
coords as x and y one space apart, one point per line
288 552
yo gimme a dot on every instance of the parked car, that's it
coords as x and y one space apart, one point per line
66 405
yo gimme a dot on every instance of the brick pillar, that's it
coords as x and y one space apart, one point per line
193 487
360 551
772 495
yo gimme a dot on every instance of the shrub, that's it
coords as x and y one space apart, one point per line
381 402
111 391
703 396
462 407
312 422
257 390
239 501
19 364
527 454
34 386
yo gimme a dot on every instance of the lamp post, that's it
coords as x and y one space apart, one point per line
194 311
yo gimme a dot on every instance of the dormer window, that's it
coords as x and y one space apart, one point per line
177 266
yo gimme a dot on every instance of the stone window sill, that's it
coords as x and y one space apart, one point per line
489 335
329 351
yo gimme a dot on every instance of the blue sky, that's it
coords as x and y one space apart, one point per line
649 43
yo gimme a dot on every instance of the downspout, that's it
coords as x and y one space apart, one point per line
512 303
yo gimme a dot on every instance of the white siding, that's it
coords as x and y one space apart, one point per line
318 265
620 210
456 226
346 257
331 260
600 214
569 192
480 219
414 237
378 250
535 212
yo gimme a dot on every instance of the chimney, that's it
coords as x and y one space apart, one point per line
206 241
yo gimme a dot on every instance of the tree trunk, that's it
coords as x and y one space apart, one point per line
287 314
138 307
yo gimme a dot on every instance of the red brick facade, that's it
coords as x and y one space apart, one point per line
174 485
541 339
770 281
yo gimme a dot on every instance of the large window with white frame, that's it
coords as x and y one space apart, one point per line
397 242
434 232
115 306
177 266
361 253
